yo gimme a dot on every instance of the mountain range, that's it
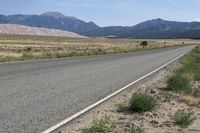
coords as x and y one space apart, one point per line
156 28
52 20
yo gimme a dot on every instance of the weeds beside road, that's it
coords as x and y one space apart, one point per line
60 54
167 102
181 81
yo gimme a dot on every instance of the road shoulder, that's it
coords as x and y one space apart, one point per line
161 116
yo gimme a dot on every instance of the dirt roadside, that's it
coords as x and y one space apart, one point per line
159 120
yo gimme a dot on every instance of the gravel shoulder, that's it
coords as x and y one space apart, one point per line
159 120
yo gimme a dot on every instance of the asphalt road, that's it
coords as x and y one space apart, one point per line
35 95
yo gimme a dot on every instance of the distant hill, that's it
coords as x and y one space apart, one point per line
156 28
27 30
53 20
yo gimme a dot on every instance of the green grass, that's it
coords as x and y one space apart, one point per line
8 58
183 119
28 55
136 129
179 84
196 92
99 125
191 64
142 102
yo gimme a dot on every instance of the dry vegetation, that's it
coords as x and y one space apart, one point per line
18 47
167 102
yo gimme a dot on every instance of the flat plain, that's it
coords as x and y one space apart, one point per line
26 47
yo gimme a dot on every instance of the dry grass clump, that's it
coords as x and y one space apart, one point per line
179 84
141 102
136 129
181 81
100 125
183 119
191 100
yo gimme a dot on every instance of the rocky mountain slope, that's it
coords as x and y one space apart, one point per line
53 20
156 28
152 29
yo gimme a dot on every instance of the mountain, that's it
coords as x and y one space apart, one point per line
53 20
193 34
156 28
56 15
27 30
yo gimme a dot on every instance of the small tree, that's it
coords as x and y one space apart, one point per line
164 44
144 44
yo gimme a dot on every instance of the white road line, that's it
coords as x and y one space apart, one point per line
67 120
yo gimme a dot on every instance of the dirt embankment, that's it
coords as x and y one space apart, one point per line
159 120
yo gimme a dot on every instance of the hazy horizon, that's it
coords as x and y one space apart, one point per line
109 13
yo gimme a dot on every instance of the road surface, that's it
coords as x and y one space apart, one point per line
35 95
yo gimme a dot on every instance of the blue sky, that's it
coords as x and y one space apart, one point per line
109 12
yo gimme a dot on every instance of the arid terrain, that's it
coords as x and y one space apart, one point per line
99 66
115 115
38 94
15 29
18 47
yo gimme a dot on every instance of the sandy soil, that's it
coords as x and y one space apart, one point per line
159 120
16 29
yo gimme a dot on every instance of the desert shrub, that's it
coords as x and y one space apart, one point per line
196 50
183 119
7 58
144 44
60 54
142 102
191 63
60 48
28 49
194 67
122 107
27 55
48 54
177 83
136 129
196 92
197 73
99 125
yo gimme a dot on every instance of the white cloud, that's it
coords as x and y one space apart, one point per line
197 19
